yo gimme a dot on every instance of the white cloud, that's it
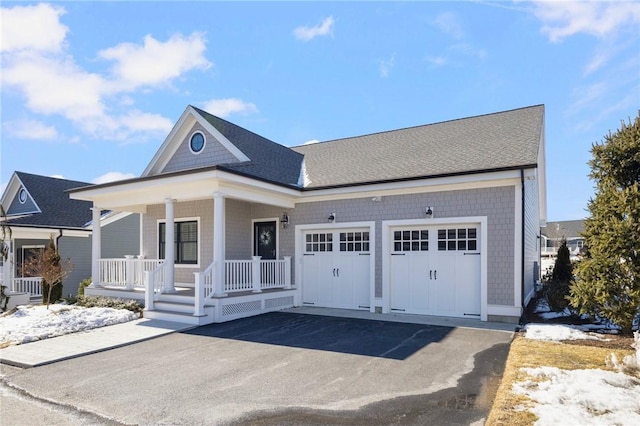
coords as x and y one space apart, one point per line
599 18
225 107
112 177
32 27
156 62
436 60
468 50
449 24
386 65
36 62
322 29
32 130
55 85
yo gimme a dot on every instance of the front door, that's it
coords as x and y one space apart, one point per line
264 239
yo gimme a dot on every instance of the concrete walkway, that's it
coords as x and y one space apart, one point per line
86 342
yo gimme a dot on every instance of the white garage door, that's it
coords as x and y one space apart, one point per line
435 270
336 268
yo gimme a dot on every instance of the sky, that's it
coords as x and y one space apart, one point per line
89 90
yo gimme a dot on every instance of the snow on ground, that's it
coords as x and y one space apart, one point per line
556 333
580 397
35 322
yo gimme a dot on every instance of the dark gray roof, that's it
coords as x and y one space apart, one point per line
269 160
57 209
496 141
563 229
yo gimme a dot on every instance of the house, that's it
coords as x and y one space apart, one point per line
440 219
552 236
37 208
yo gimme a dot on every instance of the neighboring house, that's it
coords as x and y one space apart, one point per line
39 207
440 219
552 236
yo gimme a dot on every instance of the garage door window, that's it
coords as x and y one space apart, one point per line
412 240
354 241
317 242
462 239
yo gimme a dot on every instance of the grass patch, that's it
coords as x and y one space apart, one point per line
509 408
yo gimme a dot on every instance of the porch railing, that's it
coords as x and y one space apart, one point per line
31 285
154 283
240 276
126 273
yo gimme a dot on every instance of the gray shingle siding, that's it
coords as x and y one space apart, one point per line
214 153
78 251
531 240
121 237
498 204
17 208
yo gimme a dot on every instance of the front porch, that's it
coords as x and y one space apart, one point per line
250 287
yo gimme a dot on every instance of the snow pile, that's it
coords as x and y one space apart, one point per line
581 397
629 363
30 323
556 333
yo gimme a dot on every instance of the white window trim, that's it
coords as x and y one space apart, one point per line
177 220
278 228
26 195
204 144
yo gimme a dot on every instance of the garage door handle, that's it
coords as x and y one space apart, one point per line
309 254
334 272
338 272
472 254
435 274
430 274
397 254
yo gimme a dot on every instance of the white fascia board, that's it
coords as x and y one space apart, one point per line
451 183
179 131
135 196
18 233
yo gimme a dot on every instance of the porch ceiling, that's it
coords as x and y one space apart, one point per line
136 194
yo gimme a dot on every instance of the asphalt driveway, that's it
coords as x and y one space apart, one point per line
283 368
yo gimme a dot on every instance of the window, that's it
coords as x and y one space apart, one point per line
197 142
185 242
413 240
354 241
317 242
22 196
461 239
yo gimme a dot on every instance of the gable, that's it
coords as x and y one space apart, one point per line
48 201
213 153
19 206
175 147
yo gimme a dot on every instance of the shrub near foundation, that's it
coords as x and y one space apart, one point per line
109 302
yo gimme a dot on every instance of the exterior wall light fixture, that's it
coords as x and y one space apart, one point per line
429 212
284 220
332 217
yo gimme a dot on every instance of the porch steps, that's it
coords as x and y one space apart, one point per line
169 312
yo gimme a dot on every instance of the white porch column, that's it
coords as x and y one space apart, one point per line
169 248
96 245
7 267
218 243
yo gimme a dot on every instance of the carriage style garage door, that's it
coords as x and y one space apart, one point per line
336 268
435 270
